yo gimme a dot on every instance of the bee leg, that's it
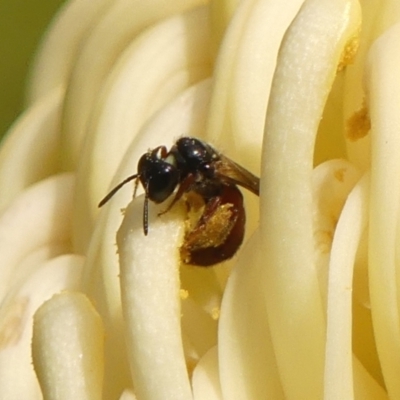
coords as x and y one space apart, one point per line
219 232
184 187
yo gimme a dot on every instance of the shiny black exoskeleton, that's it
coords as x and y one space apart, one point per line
193 165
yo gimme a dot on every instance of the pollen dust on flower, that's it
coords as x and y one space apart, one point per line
12 322
324 240
215 312
358 125
339 174
349 52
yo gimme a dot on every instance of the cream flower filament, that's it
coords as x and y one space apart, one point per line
285 304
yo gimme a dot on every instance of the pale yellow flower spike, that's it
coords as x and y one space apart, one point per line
332 182
383 89
29 153
57 54
246 63
67 348
45 278
40 216
338 364
306 68
151 303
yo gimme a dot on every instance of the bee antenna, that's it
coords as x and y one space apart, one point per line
146 210
115 190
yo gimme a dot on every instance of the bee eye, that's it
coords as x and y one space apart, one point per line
162 181
160 176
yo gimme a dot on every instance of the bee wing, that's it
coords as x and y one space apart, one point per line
232 173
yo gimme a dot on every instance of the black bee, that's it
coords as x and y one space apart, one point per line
193 166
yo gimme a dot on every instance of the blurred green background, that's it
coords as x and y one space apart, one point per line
22 23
